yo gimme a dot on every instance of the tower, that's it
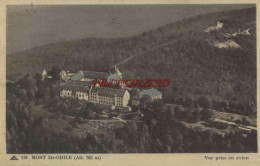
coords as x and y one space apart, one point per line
118 72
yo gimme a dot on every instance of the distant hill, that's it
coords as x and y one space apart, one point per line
181 51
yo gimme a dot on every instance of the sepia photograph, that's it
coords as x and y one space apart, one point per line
139 78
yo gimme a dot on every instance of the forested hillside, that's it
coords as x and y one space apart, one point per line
209 107
184 53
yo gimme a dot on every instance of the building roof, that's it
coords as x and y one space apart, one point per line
44 73
66 78
114 77
62 83
62 72
77 86
150 92
95 75
108 91
77 77
79 83
227 44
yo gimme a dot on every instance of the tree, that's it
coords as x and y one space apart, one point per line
244 121
31 93
145 130
180 101
134 92
158 105
205 114
152 126
170 113
205 102
133 126
145 99
169 140
30 81
25 125
223 104
38 78
23 95
47 93
25 112
158 146
55 71
12 133
91 114
188 102
195 117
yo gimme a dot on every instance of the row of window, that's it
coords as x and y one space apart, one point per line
119 104
157 97
65 93
92 96
105 98
81 95
105 102
102 100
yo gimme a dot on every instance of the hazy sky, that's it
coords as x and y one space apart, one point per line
30 26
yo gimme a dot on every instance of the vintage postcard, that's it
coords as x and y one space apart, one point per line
133 83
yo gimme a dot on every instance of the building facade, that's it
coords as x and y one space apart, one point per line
153 93
75 89
79 86
109 96
84 91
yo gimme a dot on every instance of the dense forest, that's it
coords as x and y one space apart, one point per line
37 123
